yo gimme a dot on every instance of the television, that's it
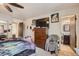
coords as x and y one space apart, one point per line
41 23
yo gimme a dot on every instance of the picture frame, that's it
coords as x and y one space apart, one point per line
55 18
66 27
33 22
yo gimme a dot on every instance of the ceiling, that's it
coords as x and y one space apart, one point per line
33 9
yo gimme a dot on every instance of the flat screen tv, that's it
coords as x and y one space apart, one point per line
41 23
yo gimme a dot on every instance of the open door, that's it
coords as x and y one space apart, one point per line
73 32
21 27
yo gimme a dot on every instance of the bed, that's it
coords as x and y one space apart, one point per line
16 48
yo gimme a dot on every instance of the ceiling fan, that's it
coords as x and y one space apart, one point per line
13 4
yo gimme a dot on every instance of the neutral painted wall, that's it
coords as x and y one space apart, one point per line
14 27
55 28
63 22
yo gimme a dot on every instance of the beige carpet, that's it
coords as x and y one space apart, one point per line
65 50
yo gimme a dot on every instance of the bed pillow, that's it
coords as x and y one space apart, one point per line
29 39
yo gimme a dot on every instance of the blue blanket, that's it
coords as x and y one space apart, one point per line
11 48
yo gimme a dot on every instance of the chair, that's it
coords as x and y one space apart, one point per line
52 43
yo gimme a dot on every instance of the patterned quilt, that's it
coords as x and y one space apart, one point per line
10 48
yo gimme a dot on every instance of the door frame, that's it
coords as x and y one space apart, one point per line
69 16
75 31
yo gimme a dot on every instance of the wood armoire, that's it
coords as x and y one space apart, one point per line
40 37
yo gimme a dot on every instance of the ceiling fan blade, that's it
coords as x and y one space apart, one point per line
8 8
16 5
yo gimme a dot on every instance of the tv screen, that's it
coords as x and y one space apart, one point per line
40 23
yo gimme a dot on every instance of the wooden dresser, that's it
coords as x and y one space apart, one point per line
40 37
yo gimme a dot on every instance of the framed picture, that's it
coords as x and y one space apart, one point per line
66 27
33 22
55 18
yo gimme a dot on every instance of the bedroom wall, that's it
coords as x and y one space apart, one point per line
9 20
28 22
55 28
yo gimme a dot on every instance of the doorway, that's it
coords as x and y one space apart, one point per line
21 27
69 31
